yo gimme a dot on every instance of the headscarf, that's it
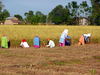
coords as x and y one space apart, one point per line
23 40
87 35
64 33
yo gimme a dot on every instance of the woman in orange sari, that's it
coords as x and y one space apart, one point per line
81 40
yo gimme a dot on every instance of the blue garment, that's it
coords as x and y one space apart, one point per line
36 41
87 40
68 41
68 37
62 40
63 36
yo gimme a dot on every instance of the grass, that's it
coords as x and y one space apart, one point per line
96 57
16 33
62 63
93 72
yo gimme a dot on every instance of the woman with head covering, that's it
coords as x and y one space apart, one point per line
4 42
36 42
85 38
62 37
81 40
24 44
51 43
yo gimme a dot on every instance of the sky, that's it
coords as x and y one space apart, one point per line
45 6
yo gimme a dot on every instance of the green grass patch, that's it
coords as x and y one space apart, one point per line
93 72
57 62
62 63
8 53
96 57
74 61
4 52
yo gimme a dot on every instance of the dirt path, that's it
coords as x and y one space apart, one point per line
72 60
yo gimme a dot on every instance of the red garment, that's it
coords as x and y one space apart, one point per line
23 40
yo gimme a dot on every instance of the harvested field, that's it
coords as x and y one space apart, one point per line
70 60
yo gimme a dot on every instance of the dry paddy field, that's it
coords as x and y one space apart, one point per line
70 60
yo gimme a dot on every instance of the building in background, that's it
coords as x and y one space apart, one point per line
84 21
11 21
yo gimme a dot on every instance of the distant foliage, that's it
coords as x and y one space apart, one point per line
19 17
3 13
69 14
38 17
59 15
96 12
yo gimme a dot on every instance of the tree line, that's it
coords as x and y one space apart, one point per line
69 14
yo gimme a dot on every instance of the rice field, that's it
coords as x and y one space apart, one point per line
16 33
69 60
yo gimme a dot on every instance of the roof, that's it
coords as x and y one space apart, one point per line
15 21
11 18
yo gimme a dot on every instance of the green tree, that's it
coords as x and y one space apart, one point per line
36 18
39 13
29 16
1 17
6 13
74 14
41 17
96 11
1 14
97 19
84 9
73 7
1 6
69 17
59 15
19 17
77 11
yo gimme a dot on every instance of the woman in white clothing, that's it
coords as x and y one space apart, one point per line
51 43
62 37
24 44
